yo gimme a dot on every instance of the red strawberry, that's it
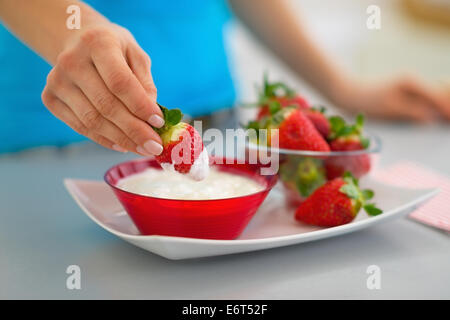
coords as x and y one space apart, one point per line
344 137
182 146
347 138
319 120
358 165
278 103
295 131
299 101
276 96
336 203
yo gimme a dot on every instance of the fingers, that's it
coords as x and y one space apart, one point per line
124 84
61 111
102 87
148 142
430 97
91 119
416 111
140 64
403 106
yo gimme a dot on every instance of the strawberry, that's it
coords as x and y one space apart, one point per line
336 203
320 121
300 177
276 96
183 149
295 131
345 137
276 103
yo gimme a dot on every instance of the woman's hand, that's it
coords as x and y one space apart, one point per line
403 99
101 86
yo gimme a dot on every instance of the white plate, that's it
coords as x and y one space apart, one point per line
272 226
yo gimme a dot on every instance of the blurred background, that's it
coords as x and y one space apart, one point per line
414 38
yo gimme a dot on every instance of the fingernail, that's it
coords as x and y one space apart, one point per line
156 121
119 148
152 147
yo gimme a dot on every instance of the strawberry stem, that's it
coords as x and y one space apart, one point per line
360 198
171 118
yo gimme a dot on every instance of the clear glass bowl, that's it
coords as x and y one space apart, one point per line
301 172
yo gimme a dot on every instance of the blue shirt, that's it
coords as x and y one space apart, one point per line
184 39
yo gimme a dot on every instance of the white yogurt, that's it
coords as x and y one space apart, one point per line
172 185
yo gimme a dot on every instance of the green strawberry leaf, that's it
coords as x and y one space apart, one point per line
360 120
345 131
339 128
372 210
274 107
350 190
253 125
271 90
304 189
367 194
337 123
349 178
319 108
173 116
265 82
309 175
365 142
279 116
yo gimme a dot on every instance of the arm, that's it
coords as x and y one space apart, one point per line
277 27
100 84
41 24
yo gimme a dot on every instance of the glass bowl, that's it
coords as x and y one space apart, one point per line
301 172
207 219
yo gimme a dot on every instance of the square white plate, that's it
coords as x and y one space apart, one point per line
272 226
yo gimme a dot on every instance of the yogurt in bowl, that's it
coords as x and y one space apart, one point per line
172 185
169 204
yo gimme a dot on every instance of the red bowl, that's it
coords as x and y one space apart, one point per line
207 219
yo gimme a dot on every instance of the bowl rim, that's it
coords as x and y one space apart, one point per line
374 139
267 188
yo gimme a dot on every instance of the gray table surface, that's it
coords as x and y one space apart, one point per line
42 231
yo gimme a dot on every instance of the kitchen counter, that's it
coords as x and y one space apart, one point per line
43 231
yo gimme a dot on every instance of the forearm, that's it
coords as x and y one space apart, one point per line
41 24
274 24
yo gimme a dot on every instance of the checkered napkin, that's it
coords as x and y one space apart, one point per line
435 212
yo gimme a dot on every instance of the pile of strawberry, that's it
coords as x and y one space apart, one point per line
324 187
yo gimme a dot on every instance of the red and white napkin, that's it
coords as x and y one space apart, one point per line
435 212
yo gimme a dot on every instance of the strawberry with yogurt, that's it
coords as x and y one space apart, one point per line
183 149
